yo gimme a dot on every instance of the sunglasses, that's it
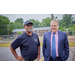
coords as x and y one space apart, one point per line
29 25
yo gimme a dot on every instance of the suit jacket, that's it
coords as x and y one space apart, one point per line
63 46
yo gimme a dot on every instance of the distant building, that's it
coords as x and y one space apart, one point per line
73 22
40 31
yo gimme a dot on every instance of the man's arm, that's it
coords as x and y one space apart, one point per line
15 54
66 47
38 57
44 45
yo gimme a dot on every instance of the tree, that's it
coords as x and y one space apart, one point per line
36 23
73 29
67 19
18 25
11 27
46 22
4 21
19 20
19 33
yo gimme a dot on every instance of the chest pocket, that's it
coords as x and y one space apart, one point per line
36 41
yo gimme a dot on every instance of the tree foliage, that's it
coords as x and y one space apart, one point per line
19 33
19 20
18 24
4 21
5 24
36 23
46 22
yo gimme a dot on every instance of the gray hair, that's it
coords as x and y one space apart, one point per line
55 21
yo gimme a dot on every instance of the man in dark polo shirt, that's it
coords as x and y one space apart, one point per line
29 44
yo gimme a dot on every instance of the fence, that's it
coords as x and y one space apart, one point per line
7 37
71 37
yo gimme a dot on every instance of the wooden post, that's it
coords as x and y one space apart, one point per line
52 16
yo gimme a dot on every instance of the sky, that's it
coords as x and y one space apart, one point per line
39 17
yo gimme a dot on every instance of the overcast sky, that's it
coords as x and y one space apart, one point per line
39 17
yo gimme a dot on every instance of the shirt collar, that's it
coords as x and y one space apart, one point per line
29 35
55 33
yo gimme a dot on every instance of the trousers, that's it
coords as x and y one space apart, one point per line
28 60
56 59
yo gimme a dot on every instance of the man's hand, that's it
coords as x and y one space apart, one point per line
20 58
38 57
15 54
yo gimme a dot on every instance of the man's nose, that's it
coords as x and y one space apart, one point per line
53 26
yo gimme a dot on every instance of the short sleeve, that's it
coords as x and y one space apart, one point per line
16 43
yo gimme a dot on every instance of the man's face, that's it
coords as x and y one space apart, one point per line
28 27
54 27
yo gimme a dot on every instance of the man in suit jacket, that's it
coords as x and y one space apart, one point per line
61 44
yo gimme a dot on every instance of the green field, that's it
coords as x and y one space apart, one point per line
4 45
71 44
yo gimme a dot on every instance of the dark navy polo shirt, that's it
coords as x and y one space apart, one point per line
28 45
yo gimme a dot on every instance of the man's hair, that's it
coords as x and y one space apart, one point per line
55 21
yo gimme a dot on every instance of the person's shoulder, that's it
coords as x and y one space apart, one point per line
35 34
47 33
62 32
21 36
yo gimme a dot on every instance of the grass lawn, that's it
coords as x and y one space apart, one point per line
5 45
71 44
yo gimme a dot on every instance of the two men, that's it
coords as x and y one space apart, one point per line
55 44
29 44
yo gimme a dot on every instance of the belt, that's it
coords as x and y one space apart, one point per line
55 58
27 60
30 60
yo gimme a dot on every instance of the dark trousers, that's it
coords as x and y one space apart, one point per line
56 59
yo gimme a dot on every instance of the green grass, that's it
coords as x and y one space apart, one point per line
71 44
4 45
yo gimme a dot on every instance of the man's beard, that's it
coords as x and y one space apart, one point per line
30 30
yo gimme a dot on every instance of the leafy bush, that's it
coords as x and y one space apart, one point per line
19 33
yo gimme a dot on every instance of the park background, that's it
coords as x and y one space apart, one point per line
8 25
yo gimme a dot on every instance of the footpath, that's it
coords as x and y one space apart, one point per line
71 54
6 55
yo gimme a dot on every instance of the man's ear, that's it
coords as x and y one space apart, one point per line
58 26
24 26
